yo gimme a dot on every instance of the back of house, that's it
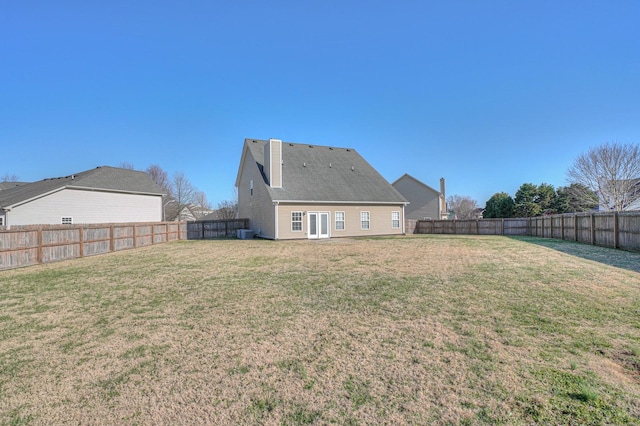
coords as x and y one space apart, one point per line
295 191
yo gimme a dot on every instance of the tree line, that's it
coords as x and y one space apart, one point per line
605 177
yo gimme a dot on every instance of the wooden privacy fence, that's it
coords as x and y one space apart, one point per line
32 245
607 229
210 229
512 226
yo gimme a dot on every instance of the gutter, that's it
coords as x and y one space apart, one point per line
340 202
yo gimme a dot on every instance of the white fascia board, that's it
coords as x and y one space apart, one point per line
119 191
341 202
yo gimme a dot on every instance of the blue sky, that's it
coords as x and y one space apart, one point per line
487 94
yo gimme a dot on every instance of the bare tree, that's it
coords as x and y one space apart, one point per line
183 191
612 171
161 178
126 165
200 199
227 209
463 206
8 177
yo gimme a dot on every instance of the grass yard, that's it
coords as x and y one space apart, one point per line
404 330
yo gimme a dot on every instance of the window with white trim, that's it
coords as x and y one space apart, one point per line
395 220
67 220
1 220
365 222
339 220
296 221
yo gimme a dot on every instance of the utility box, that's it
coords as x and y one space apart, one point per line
244 234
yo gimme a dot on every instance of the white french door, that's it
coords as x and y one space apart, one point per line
318 225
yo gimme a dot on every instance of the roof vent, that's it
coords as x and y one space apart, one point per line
352 168
304 164
329 165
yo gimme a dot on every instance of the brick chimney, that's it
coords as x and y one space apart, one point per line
273 162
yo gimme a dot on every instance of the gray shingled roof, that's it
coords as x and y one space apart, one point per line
325 174
9 185
101 178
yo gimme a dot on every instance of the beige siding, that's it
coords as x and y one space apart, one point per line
380 217
87 207
258 208
423 201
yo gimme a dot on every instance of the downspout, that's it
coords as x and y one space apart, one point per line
6 219
404 232
275 206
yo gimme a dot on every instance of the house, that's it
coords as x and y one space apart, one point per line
190 212
295 191
425 202
101 195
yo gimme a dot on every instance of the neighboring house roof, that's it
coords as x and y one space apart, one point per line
103 178
9 185
408 176
192 212
313 173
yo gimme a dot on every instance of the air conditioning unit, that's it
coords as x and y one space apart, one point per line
244 234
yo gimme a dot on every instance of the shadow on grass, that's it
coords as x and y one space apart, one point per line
618 258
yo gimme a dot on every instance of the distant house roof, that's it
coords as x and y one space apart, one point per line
103 178
419 182
314 173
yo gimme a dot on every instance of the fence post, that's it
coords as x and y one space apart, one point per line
615 230
593 229
501 226
81 236
39 254
575 227
135 236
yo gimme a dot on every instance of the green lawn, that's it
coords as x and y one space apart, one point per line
402 330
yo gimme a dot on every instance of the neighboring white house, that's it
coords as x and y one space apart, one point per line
293 191
101 195
424 201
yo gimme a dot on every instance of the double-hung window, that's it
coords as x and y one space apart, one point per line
365 222
339 220
296 221
395 220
